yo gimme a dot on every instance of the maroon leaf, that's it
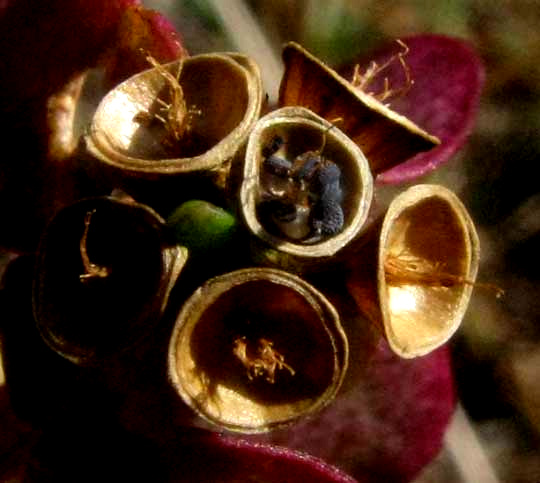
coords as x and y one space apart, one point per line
44 45
448 77
389 426
203 457
140 33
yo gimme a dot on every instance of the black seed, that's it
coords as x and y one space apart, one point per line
272 146
327 216
278 166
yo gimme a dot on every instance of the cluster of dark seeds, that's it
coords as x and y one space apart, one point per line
312 185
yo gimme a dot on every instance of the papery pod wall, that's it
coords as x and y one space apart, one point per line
414 277
309 145
103 276
386 137
177 124
255 349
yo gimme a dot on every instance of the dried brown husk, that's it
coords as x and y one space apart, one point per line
223 97
250 305
414 278
386 137
90 311
304 131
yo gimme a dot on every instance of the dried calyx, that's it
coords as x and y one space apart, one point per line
306 187
385 137
414 277
183 117
103 276
257 348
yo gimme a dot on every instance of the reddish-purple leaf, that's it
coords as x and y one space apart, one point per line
448 77
140 33
203 457
389 426
44 45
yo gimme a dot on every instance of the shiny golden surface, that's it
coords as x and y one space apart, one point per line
223 94
428 260
291 322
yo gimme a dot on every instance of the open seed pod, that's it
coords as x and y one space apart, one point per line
257 348
386 137
103 275
414 278
309 197
187 116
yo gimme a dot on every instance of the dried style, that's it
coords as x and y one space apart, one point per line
260 363
91 270
362 81
177 118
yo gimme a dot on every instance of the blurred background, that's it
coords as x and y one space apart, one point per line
496 433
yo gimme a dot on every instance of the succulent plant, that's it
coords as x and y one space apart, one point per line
255 349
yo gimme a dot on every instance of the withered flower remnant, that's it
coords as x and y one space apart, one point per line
209 111
103 277
301 188
385 137
414 277
448 76
374 71
257 348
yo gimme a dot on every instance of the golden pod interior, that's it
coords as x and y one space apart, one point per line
189 115
427 255
103 276
257 348
428 260
386 137
301 132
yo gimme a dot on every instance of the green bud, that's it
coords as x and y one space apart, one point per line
202 226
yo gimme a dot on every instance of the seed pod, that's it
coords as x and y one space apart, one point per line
386 137
103 276
257 348
188 116
414 278
328 185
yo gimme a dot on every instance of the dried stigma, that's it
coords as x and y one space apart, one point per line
362 81
262 362
91 270
177 117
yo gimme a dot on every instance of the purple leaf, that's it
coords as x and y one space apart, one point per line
448 77
203 457
44 43
140 33
389 425
44 46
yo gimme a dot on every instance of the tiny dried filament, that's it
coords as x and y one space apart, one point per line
263 362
